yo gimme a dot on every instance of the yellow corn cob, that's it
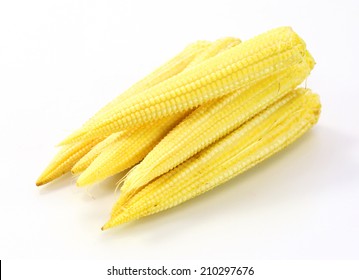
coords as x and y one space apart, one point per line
265 134
171 68
65 159
235 68
199 51
193 54
129 149
212 121
132 146
68 155
87 159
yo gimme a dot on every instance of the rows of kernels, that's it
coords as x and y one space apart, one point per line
212 121
88 158
169 69
65 159
211 75
270 66
207 168
112 160
153 108
295 118
128 150
162 73
62 163
245 132
221 156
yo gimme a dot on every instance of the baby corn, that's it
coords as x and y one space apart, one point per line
265 134
207 115
231 70
131 146
171 68
88 158
212 121
65 159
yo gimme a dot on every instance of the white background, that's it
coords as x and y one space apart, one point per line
60 61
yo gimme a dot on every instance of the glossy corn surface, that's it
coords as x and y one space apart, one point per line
231 70
89 157
265 134
169 69
65 159
131 146
82 151
213 120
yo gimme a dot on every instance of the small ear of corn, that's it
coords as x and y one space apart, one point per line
231 70
65 159
198 52
211 121
130 148
265 134
171 68
70 154
133 145
87 159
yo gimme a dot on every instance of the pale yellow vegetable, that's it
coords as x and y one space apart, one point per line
169 69
262 136
212 121
88 158
131 146
65 159
228 71
70 154
129 149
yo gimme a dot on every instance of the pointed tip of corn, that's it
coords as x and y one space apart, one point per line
87 177
46 177
51 172
83 179
76 170
49 175
104 227
128 191
107 225
80 182
80 166
39 183
135 179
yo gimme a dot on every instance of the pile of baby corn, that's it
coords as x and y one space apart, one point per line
210 113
